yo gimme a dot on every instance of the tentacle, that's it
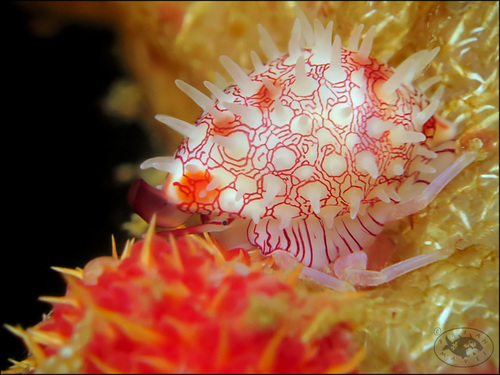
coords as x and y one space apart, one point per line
145 200
419 202
212 226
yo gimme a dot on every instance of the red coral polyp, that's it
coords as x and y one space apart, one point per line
178 306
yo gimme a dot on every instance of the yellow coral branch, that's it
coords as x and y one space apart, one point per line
211 246
131 328
77 272
146 246
103 366
45 338
24 367
316 324
127 249
350 365
221 355
176 257
269 354
114 253
59 300
30 343
216 300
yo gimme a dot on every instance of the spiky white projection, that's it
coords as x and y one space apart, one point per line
309 155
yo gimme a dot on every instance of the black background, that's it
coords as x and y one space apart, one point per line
61 202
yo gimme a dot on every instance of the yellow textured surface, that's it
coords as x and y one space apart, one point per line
165 41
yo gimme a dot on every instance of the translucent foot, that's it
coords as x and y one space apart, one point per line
352 268
421 201
288 262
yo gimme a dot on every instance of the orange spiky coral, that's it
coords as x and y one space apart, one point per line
179 306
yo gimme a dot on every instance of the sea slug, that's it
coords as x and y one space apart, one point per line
309 155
